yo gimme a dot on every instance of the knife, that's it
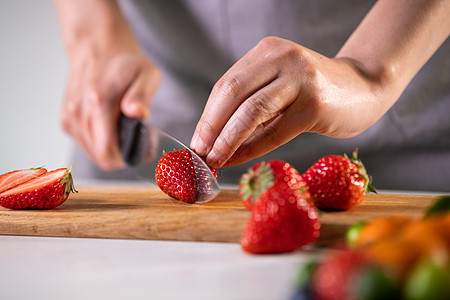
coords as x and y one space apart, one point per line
143 144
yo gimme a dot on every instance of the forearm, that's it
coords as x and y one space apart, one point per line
395 40
97 23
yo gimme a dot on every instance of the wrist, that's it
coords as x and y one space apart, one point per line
96 27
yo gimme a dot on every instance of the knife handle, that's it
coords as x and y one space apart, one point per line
131 133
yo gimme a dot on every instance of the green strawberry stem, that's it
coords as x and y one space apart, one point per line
368 187
255 182
36 168
68 181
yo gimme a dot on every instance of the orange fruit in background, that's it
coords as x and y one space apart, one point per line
381 228
440 224
405 244
395 255
433 237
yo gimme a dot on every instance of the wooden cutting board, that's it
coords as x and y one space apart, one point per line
147 213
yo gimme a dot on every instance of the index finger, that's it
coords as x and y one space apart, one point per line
228 94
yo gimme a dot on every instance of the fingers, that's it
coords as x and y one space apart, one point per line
89 116
94 100
268 97
230 92
265 105
136 101
268 136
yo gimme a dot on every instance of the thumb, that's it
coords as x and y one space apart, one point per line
136 101
135 108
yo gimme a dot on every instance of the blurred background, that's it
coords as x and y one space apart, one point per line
33 70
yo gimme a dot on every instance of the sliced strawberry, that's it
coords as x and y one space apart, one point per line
43 192
15 178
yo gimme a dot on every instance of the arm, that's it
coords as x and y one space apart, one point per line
109 74
395 40
280 89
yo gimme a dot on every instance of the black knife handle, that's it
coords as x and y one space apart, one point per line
131 134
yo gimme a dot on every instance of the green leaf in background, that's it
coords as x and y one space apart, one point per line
442 204
375 284
352 233
428 281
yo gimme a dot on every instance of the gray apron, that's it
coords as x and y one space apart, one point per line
194 42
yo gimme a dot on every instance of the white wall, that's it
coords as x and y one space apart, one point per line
33 70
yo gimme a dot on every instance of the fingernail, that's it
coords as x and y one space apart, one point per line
200 147
213 159
194 141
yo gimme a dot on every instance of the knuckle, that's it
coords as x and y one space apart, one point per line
105 160
261 107
67 114
268 42
94 97
207 126
272 135
225 144
229 86
65 122
283 49
293 51
312 74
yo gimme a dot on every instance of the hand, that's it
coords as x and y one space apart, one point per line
278 90
99 88
109 74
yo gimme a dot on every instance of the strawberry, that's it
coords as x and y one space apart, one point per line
46 191
14 178
337 182
351 275
282 217
258 178
334 277
175 175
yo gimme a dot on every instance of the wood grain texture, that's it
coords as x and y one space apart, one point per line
147 213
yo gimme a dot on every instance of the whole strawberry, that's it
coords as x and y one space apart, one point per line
351 275
46 191
262 175
175 175
15 178
282 217
335 277
337 182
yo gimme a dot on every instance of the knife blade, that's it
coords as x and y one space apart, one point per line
143 144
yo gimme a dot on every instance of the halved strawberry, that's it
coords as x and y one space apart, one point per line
43 192
15 178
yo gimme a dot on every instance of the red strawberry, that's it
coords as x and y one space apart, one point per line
282 218
43 192
175 175
335 278
14 178
257 179
337 182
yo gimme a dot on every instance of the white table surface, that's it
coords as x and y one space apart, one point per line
75 268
